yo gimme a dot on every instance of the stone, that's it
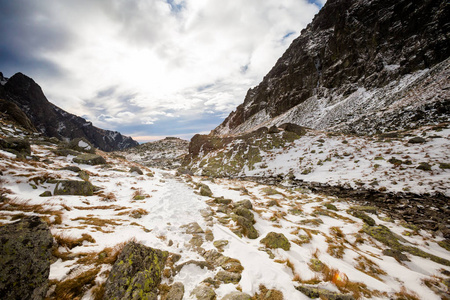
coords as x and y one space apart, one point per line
176 292
71 168
204 292
16 146
237 296
276 240
228 277
299 130
193 228
135 169
222 200
83 175
247 227
220 243
244 212
46 194
136 273
73 187
65 152
424 166
417 140
274 129
315 292
245 203
25 252
89 159
398 255
81 145
363 216
205 190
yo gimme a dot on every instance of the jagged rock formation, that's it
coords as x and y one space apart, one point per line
359 65
51 120
25 252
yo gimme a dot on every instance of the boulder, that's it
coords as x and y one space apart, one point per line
74 187
135 169
25 252
46 194
417 140
89 159
65 152
176 291
247 227
16 146
71 168
228 277
276 240
297 129
81 145
244 212
136 273
274 129
204 292
237 296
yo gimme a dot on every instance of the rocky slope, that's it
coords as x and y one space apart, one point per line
210 239
361 66
167 153
22 92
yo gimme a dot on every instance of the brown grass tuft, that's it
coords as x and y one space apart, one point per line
74 288
72 242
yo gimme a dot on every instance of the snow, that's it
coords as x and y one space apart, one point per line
84 145
173 201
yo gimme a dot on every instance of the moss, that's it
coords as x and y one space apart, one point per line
276 240
316 265
444 166
445 244
330 206
384 235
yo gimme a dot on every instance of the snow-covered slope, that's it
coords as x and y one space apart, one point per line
330 246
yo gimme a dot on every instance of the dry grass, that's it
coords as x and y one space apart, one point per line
72 242
368 267
404 294
96 221
98 291
74 288
106 256
109 197
115 207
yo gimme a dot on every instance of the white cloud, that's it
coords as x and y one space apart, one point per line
180 62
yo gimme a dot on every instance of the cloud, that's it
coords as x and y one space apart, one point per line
142 64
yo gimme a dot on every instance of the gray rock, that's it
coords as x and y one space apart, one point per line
247 227
136 170
244 212
314 292
16 146
74 187
176 292
204 292
89 159
193 228
398 255
274 129
136 273
65 152
25 252
83 175
245 203
417 140
71 168
228 277
276 240
82 145
237 296
46 194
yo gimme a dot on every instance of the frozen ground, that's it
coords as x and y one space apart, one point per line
323 233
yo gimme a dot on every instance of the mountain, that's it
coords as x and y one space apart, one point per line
360 67
22 93
167 153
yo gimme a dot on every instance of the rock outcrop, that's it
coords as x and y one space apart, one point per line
25 252
52 121
136 274
356 60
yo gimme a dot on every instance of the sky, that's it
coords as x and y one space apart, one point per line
149 68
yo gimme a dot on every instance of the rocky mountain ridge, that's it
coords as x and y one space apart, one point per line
21 93
353 55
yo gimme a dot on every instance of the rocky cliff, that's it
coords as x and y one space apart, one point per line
358 63
23 92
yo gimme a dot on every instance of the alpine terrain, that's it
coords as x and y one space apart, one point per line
330 181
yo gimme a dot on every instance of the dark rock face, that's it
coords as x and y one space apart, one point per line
350 44
136 273
13 113
25 252
55 122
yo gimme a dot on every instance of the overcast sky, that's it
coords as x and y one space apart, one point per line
148 68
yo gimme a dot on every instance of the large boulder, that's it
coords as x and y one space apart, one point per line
276 240
74 187
16 146
89 159
81 145
25 252
176 291
136 273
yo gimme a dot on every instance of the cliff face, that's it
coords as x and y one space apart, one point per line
354 51
52 121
